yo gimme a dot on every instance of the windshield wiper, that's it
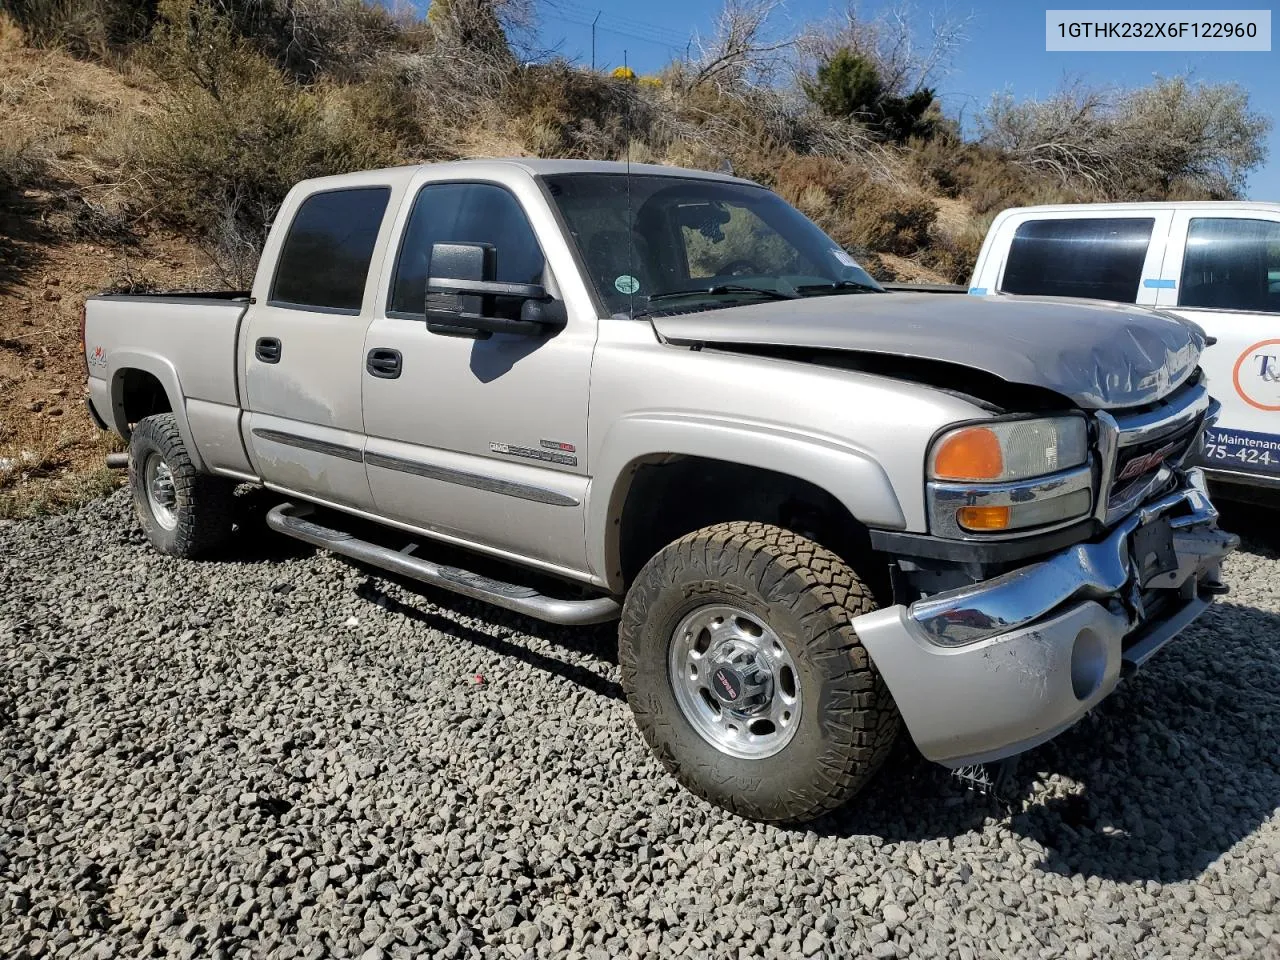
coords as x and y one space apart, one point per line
724 288
857 285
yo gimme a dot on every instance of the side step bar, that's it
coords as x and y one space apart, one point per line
290 519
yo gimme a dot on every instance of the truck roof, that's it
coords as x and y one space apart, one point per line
531 165
1094 208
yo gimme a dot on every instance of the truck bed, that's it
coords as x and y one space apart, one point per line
192 337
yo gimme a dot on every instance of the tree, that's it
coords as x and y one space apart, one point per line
741 51
848 85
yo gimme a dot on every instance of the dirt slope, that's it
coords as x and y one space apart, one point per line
62 238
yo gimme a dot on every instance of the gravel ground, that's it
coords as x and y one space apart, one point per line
277 754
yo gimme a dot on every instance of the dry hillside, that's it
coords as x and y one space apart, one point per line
59 244
145 145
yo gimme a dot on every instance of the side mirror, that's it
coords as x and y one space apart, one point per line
461 296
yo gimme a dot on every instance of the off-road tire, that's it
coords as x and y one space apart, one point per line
204 505
807 596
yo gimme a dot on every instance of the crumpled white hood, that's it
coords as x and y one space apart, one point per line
1100 355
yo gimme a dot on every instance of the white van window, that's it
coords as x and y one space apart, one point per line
1232 264
1097 258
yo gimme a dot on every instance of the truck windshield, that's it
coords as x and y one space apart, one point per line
677 244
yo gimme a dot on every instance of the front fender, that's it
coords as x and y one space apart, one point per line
121 361
846 472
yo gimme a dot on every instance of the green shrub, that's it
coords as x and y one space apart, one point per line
848 86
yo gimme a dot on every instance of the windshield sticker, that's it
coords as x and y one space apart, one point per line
844 258
626 284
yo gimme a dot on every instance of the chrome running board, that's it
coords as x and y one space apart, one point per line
291 520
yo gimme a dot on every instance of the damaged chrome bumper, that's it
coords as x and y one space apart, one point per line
987 671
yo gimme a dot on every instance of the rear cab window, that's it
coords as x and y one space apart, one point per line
324 261
1096 258
1231 263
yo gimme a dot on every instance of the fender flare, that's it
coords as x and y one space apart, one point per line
850 475
121 361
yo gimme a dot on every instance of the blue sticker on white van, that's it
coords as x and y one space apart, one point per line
1158 284
977 291
1241 450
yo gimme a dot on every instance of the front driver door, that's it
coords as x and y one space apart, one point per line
482 441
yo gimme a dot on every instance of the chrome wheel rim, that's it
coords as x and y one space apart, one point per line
735 682
162 495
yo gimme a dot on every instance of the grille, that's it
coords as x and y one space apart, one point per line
1138 462
1154 438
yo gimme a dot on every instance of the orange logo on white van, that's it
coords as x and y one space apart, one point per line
1257 375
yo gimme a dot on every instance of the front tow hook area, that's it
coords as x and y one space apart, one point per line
988 671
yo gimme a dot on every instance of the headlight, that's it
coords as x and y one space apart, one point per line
1009 475
1010 449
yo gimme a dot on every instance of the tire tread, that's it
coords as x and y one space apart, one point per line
206 512
825 594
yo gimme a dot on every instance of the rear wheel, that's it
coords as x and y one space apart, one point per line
745 674
183 512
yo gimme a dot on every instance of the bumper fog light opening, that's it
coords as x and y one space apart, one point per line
1088 664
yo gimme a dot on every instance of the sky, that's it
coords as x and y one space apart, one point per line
1004 51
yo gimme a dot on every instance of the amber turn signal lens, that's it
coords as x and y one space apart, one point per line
983 518
972 453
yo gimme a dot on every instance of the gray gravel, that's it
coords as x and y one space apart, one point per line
279 754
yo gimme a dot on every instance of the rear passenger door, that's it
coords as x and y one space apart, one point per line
304 347
1223 272
1106 257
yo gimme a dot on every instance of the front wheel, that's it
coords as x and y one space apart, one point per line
746 677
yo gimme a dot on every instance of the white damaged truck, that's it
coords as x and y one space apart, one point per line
820 511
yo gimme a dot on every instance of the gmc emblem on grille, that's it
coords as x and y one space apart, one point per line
1140 465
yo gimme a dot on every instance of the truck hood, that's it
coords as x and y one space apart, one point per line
1100 355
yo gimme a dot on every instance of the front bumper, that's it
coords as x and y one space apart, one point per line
987 671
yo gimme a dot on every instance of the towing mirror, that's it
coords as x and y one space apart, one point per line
463 298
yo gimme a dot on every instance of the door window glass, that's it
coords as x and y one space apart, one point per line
324 261
465 213
1231 264
1096 258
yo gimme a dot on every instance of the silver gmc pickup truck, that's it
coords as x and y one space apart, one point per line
820 510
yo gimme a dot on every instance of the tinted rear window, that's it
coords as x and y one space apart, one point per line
1100 258
325 258
1232 264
